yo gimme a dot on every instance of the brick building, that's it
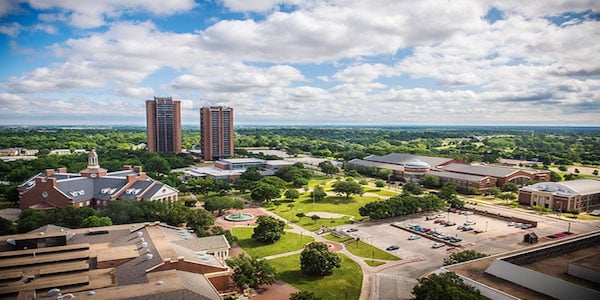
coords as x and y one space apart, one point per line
216 132
580 194
92 187
163 125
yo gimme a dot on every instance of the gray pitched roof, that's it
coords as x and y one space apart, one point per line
105 187
480 170
401 159
204 243
78 189
457 176
379 165
136 189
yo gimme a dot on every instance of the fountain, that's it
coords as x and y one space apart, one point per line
238 217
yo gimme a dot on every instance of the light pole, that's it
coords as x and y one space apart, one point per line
486 226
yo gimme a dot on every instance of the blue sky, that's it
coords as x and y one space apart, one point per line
376 62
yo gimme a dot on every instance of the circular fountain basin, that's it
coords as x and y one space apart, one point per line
239 217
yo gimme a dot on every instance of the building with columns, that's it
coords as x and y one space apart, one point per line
92 187
580 194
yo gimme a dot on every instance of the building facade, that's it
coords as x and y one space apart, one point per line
216 132
580 194
92 187
163 125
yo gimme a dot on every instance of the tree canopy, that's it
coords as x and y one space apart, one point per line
269 229
316 259
251 272
462 256
446 286
221 203
347 188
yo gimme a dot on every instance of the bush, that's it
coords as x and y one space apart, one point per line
379 183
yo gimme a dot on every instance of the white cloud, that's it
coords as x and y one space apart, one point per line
365 73
136 92
90 14
11 29
237 77
250 6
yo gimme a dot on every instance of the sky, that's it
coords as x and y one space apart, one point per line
315 62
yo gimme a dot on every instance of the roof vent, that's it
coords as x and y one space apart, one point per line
139 234
149 256
144 245
91 293
160 282
53 292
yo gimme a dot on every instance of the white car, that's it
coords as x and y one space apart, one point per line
467 212
414 237
511 223
469 223
437 245
441 216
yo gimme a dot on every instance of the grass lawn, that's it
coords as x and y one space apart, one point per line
344 283
333 204
288 242
337 239
374 263
381 192
365 250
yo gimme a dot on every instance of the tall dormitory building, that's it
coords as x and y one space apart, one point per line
163 119
216 129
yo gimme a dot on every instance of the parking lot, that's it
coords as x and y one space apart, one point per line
488 235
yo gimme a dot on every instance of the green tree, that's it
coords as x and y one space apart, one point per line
300 182
292 194
507 196
412 188
328 168
264 192
448 191
251 272
7 227
446 286
318 193
274 181
304 295
347 188
300 215
379 183
269 229
158 165
30 219
221 203
462 256
316 259
495 191
430 181
95 221
510 187
198 218
315 218
595 173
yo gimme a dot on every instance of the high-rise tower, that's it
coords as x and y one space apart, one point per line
163 119
216 129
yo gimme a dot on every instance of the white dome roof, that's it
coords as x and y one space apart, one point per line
417 164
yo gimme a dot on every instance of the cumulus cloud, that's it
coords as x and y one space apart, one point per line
250 6
90 14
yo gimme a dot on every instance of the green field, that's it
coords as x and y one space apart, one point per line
288 242
367 251
380 192
374 263
344 283
337 239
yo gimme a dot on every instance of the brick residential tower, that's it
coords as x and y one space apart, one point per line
216 130
163 125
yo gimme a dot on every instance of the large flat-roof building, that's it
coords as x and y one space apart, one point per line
580 194
410 168
163 125
92 187
216 132
130 261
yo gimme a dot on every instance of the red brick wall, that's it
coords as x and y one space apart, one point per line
34 195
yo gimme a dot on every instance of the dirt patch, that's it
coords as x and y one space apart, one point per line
325 215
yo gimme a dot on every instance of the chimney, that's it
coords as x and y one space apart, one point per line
49 172
61 170
131 178
126 167
137 169
142 176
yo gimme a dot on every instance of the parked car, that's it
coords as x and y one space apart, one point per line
460 227
440 216
414 237
352 230
469 223
467 212
449 223
511 223
467 228
437 245
429 218
392 247
437 221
